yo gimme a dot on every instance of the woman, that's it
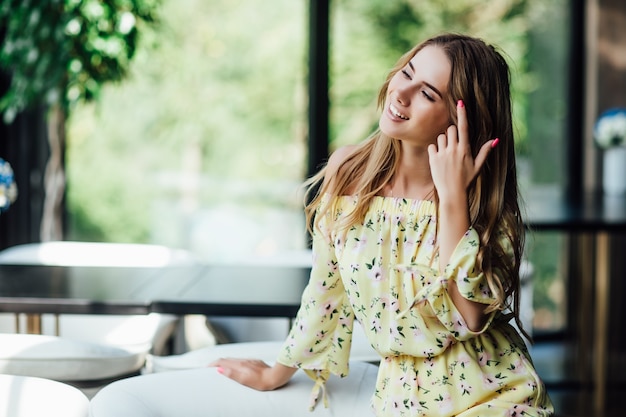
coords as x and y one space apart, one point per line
418 236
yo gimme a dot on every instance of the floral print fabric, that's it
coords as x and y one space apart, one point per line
383 274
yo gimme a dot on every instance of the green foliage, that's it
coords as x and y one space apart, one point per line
60 52
213 110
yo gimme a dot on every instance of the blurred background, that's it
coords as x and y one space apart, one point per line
203 144
204 141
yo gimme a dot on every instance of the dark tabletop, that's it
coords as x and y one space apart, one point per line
229 290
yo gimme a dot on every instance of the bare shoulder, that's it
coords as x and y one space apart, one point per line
338 157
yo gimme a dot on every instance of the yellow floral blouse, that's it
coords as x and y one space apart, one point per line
382 274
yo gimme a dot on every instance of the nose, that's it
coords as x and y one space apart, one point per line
403 96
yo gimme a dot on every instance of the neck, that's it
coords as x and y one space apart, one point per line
412 178
402 186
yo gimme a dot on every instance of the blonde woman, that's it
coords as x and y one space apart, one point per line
418 237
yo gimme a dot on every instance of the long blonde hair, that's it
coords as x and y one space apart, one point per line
480 76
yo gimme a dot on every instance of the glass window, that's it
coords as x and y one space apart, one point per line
541 158
203 146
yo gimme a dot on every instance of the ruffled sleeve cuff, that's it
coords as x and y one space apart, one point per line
471 284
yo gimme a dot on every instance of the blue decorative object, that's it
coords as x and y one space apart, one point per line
8 188
610 129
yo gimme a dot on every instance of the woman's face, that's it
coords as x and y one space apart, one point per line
415 108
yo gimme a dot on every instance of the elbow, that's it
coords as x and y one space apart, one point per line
475 323
474 314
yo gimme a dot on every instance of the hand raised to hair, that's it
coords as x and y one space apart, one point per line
452 165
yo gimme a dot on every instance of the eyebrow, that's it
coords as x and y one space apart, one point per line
432 87
429 85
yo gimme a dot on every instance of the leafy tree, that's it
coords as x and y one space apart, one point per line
60 52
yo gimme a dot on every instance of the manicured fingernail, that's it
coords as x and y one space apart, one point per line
460 103
220 370
495 142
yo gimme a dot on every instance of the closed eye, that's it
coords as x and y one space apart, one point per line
427 95
406 74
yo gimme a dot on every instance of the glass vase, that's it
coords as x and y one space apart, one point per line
614 171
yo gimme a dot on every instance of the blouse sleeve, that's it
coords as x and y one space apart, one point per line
320 339
470 281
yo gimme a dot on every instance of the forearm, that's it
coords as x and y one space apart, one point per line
279 375
454 223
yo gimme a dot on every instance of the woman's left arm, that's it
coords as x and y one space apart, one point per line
453 168
450 233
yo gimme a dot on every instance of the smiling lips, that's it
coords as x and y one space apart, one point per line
394 110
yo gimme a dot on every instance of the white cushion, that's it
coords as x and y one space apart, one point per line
65 359
139 333
36 397
205 393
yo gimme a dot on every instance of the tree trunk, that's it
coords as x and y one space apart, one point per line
54 178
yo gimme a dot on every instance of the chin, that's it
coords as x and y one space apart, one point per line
383 126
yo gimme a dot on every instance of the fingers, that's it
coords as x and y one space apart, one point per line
483 153
442 141
455 134
449 138
463 132
237 362
229 366
463 135
459 135
247 372
432 150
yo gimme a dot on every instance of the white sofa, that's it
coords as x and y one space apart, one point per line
205 393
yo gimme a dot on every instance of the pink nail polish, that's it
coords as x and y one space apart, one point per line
495 142
220 370
460 103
